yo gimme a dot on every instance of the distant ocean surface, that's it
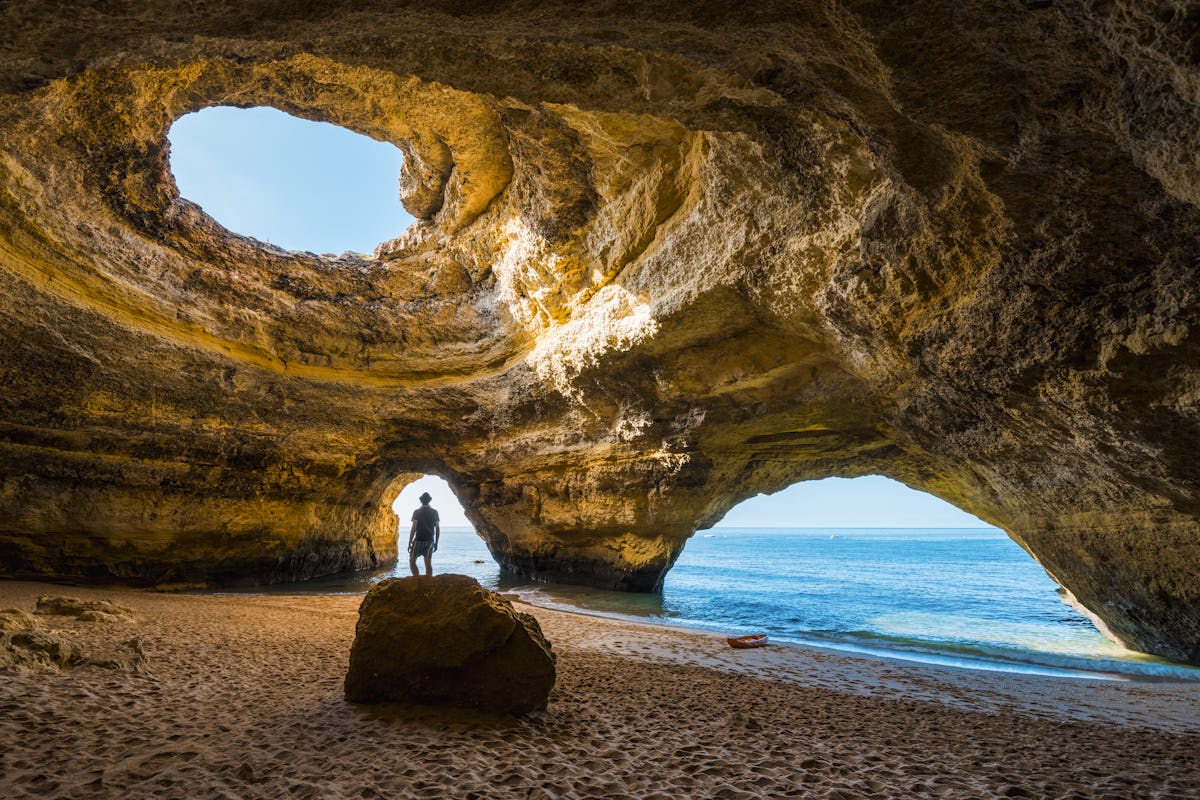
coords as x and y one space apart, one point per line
965 597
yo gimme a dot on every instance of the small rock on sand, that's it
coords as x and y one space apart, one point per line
86 610
14 619
36 651
26 648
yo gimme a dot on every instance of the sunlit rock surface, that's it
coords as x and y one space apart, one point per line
668 256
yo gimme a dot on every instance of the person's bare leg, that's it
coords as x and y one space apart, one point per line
428 564
412 564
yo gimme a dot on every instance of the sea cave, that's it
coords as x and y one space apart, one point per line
664 259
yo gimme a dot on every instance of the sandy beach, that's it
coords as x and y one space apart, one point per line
240 696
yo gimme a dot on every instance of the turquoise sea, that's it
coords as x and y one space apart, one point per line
965 597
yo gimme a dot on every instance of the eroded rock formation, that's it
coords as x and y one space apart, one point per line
29 645
668 256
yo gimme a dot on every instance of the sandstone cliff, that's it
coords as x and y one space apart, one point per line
668 256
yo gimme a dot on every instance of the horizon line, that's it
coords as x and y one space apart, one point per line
835 527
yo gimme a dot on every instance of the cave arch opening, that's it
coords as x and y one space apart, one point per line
444 500
460 549
870 501
290 182
869 563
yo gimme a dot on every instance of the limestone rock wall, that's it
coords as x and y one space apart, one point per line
667 257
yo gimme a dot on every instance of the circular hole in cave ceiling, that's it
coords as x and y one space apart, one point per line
293 183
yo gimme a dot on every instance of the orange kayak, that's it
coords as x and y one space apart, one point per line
743 642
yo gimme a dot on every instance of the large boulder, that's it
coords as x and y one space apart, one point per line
445 639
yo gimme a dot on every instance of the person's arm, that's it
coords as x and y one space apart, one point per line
412 532
437 533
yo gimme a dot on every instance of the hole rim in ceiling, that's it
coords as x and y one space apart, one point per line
211 134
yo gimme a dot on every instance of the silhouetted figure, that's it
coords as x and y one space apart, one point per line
423 536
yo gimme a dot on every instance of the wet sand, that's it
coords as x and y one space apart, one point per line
242 698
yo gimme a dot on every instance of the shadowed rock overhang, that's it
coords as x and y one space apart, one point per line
666 257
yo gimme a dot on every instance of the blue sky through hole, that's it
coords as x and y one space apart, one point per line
313 186
297 184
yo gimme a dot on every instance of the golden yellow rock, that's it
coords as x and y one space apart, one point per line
668 256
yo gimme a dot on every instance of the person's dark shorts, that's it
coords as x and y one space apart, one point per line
421 548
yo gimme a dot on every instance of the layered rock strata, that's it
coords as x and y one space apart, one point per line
667 256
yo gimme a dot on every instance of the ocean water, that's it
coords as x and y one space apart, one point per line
964 597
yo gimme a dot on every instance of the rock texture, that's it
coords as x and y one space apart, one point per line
84 610
668 256
445 639
27 645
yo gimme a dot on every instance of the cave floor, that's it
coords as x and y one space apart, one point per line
240 696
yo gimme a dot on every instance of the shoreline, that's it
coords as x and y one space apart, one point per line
898 677
1068 666
851 650
1019 623
242 698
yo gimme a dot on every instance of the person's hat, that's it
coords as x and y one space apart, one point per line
425 497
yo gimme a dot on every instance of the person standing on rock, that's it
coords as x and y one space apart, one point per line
424 534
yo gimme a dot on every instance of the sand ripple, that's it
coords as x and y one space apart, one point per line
243 699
